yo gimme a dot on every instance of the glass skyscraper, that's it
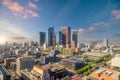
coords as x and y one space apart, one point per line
60 37
50 36
42 38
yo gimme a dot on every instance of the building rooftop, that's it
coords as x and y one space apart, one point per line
39 67
105 74
73 59
53 67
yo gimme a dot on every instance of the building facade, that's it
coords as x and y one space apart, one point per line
60 38
105 43
66 35
4 74
24 63
75 37
50 36
42 38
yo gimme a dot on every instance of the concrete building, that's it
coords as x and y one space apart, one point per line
48 59
41 72
105 43
105 74
115 62
24 63
4 74
72 63
56 71
68 51
7 62
66 36
60 38
75 37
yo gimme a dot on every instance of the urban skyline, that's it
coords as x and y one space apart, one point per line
24 20
59 39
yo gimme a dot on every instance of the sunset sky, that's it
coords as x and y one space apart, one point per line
24 19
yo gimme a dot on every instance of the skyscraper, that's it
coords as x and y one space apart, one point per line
66 35
60 37
75 37
105 43
42 38
50 36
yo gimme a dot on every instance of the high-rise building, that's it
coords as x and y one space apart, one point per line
75 37
105 43
50 36
42 38
60 37
66 35
54 40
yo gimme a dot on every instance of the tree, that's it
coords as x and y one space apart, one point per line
36 62
86 73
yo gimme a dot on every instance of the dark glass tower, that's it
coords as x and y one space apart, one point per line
42 38
50 36
60 37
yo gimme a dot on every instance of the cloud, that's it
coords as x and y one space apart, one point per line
116 14
31 5
8 29
20 11
17 38
90 30
116 35
105 24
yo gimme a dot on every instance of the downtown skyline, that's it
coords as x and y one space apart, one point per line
21 20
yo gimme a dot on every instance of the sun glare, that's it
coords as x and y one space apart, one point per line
2 40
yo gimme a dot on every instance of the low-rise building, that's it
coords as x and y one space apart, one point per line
115 62
24 63
56 71
7 62
105 74
72 63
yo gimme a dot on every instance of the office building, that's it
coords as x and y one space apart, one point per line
42 38
66 36
7 62
24 63
4 74
50 36
72 63
54 40
47 59
60 38
105 43
67 51
56 71
75 37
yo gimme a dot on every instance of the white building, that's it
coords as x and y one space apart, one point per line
105 43
41 72
116 61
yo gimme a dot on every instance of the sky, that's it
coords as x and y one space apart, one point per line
94 19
